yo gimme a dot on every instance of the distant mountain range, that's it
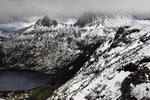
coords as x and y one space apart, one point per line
85 19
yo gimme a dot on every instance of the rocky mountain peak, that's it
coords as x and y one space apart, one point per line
46 17
86 18
46 22
101 19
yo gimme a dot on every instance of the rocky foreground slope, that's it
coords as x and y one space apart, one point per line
104 57
117 70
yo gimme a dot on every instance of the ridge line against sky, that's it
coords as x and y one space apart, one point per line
20 13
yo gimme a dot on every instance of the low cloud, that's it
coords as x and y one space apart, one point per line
27 11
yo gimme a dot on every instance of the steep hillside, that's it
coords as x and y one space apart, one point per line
7 35
44 48
117 70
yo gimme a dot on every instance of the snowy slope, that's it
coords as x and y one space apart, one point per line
102 20
45 23
118 69
7 34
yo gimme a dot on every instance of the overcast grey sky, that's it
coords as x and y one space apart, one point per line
19 13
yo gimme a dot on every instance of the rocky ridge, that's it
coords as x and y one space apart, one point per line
117 70
103 57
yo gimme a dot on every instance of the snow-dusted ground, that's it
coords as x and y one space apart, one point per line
7 34
141 90
103 78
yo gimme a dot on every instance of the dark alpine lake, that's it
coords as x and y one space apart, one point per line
13 80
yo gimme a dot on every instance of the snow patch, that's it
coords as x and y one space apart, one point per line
140 91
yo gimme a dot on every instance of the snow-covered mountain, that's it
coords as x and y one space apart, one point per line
45 22
100 57
117 70
6 34
102 20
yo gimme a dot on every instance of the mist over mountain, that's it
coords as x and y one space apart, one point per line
100 56
20 13
90 49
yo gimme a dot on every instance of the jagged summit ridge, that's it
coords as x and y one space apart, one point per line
113 71
98 63
86 18
102 19
45 22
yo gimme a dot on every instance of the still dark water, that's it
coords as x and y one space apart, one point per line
22 80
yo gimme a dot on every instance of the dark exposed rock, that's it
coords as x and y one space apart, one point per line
145 38
145 98
85 19
65 73
90 19
119 32
89 97
144 60
130 67
134 30
135 78
120 36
